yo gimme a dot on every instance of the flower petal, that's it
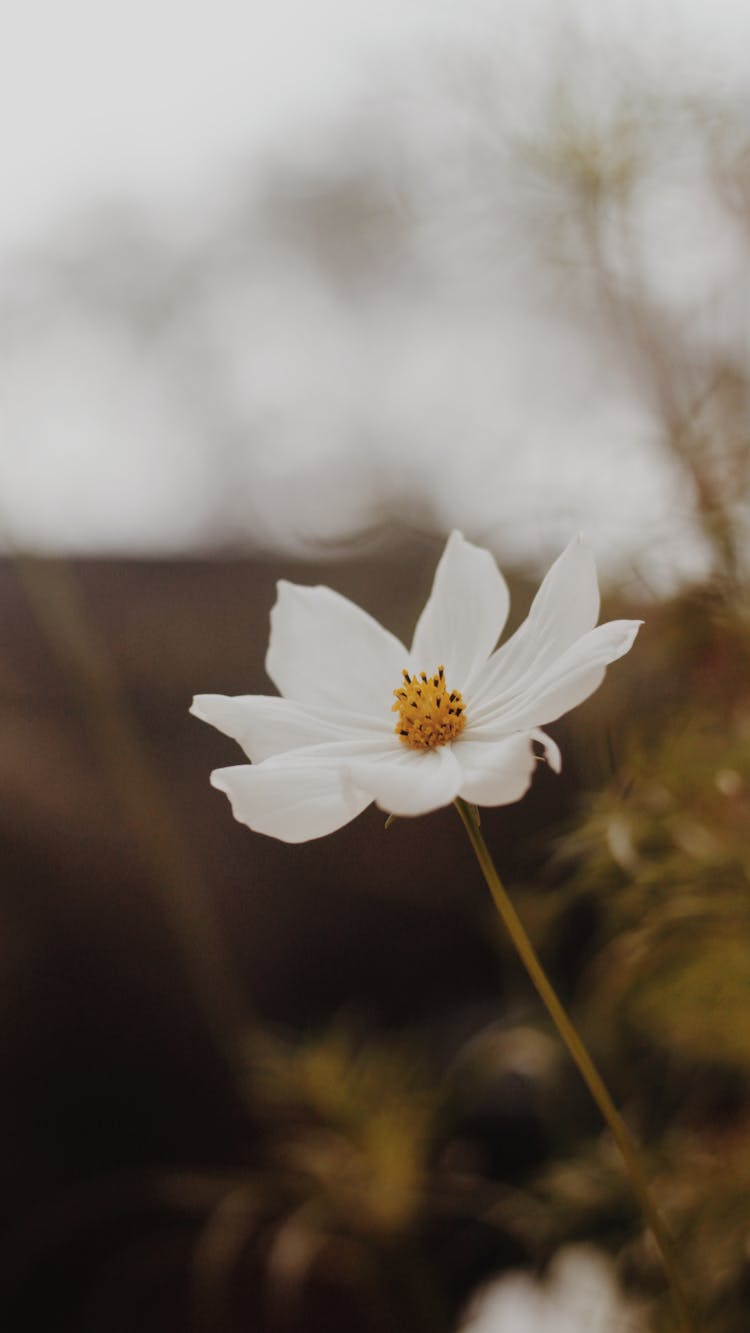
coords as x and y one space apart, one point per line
565 684
291 798
495 772
266 725
464 614
565 607
326 652
408 782
551 749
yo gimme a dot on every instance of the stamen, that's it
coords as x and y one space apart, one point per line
428 715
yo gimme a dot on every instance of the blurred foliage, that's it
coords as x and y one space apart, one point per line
354 1125
662 856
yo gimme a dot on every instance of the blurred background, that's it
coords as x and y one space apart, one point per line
291 292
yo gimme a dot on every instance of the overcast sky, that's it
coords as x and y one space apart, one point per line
148 99
158 105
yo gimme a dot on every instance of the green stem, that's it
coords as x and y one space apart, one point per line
591 1076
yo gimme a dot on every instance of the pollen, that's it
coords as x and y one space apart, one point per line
429 714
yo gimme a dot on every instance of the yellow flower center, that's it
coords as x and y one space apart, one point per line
429 713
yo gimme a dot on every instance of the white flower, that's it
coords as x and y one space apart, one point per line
579 1295
464 716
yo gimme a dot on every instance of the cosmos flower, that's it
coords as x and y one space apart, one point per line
580 1294
361 718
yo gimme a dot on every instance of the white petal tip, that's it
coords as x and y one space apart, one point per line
551 749
623 634
212 708
284 588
